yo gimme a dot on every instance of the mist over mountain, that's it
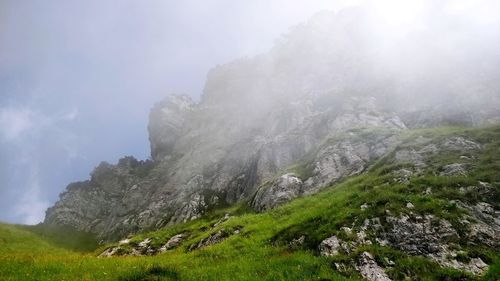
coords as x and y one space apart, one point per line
338 72
363 145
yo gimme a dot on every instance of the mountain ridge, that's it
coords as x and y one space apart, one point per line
259 116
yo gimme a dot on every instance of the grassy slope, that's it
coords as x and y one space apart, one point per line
259 252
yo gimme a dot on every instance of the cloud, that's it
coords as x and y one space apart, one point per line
29 140
14 122
31 207
20 122
72 115
481 11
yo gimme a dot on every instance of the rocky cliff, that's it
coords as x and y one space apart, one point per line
427 209
286 123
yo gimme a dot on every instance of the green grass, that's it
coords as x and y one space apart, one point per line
65 237
260 251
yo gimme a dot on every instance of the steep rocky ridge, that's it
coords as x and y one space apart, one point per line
401 219
302 104
203 167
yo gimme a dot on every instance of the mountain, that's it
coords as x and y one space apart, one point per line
426 210
432 198
344 141
258 117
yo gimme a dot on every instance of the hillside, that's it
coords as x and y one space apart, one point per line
427 209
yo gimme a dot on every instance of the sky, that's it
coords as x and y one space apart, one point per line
78 78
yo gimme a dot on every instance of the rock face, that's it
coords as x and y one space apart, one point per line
317 102
351 155
201 161
284 189
422 149
434 237
167 119
332 161
112 191
446 240
421 235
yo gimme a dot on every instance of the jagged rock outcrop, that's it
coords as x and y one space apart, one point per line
424 235
167 119
206 166
112 191
348 156
334 160
317 100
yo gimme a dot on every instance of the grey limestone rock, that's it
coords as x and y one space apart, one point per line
173 242
330 246
213 239
370 270
166 124
284 189
421 150
455 169
419 235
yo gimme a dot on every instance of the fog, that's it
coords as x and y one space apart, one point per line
438 53
77 79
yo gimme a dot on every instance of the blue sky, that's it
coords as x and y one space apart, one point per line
77 79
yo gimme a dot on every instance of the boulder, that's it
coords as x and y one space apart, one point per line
173 242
